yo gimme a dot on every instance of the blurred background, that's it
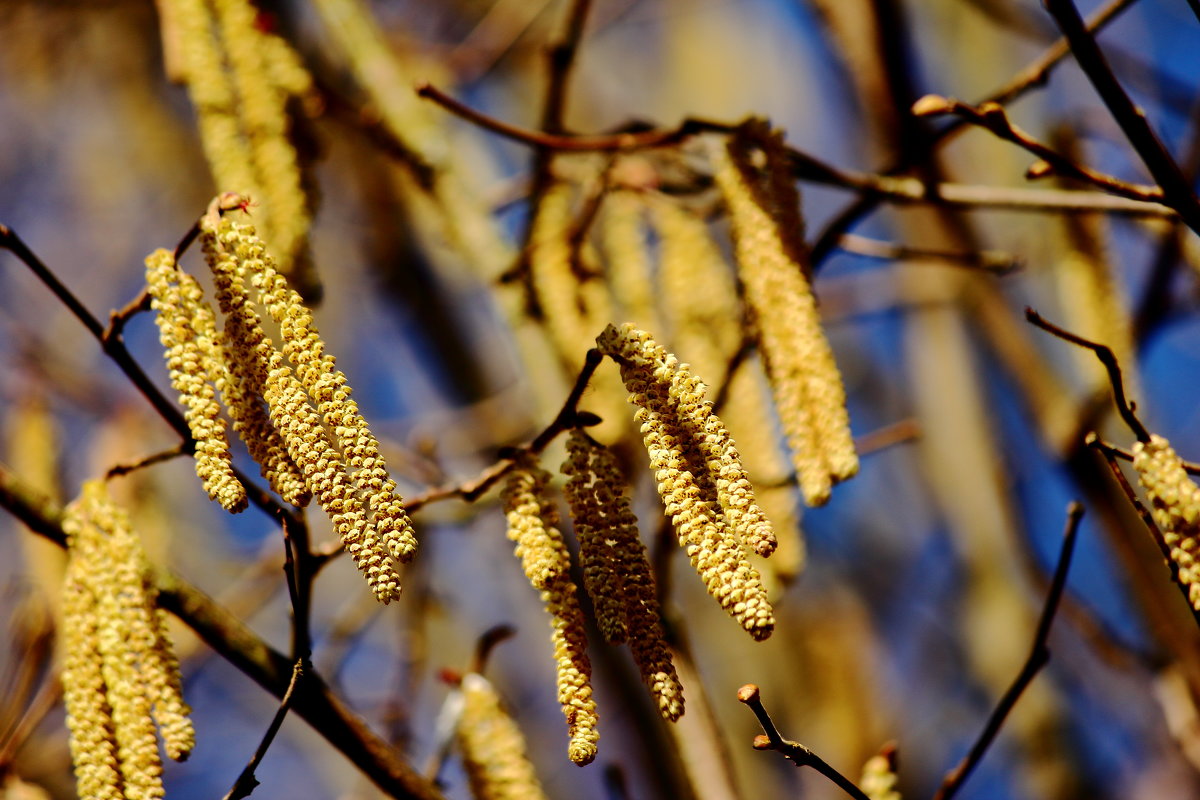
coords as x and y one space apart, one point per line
915 605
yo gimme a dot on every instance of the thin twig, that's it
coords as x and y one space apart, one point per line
246 782
1039 654
118 319
181 449
992 117
1177 190
799 755
1109 360
569 143
1125 455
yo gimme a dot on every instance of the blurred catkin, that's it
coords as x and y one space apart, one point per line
768 239
878 780
188 332
241 77
532 524
1175 499
492 747
616 573
700 477
310 410
120 676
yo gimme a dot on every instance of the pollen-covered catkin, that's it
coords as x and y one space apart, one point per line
492 747
804 377
187 330
326 439
119 675
616 573
1175 499
878 780
688 461
547 564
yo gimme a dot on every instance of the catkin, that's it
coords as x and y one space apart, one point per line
546 562
492 747
804 377
700 479
1175 500
318 427
878 780
627 262
187 330
120 676
241 77
616 574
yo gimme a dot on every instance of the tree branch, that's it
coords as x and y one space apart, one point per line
246 782
1039 654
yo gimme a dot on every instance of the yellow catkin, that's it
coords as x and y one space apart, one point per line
612 550
627 259
700 480
119 676
246 351
240 78
309 403
878 780
493 749
547 564
1175 499
704 315
804 377
187 332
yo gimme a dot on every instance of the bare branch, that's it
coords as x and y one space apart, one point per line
246 782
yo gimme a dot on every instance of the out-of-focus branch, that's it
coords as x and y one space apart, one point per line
799 755
994 261
240 646
1039 654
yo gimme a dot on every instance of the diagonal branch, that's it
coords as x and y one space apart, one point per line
1039 654
246 781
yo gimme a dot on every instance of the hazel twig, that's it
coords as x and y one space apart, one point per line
247 782
1039 654
150 460
1109 360
994 261
1177 190
797 753
992 117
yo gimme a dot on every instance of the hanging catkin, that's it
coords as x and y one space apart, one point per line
768 238
120 676
532 524
700 477
1175 499
324 435
492 747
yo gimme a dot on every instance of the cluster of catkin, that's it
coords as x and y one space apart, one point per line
1175 499
241 78
290 404
763 207
120 677
701 480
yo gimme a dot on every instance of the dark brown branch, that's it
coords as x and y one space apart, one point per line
236 643
246 782
604 143
1109 360
799 755
1039 654
1125 455
1177 191
992 117
156 458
